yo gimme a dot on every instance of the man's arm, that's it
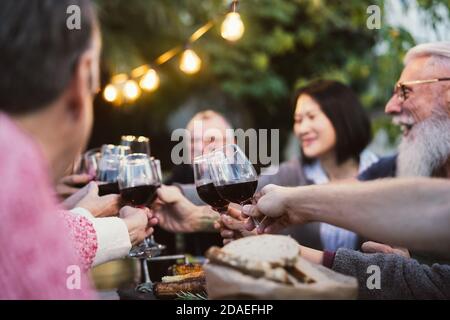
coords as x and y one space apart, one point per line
399 277
414 213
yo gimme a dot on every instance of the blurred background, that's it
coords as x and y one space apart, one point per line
286 44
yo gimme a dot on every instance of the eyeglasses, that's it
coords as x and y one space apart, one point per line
402 90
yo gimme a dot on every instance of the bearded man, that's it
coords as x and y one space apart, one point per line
421 106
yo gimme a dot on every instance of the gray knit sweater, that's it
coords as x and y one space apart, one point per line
401 278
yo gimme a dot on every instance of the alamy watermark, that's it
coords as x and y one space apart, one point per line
73 21
255 142
73 281
374 19
374 280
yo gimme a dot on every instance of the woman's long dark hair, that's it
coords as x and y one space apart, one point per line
350 121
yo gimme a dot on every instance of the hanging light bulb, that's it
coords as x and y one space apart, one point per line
232 27
110 93
150 81
190 62
131 90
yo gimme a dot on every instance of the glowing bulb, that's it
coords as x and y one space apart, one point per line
110 93
150 81
131 90
190 62
232 27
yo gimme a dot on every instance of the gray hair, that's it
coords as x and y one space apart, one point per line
439 51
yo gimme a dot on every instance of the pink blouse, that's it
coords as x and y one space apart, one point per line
38 258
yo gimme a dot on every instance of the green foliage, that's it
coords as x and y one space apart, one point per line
286 44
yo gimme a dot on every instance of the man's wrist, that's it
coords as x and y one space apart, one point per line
298 204
203 220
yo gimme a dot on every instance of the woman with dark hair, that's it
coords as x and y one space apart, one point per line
331 125
333 131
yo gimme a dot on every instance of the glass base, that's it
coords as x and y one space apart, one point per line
146 287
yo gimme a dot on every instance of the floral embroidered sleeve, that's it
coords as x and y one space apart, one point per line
112 240
83 236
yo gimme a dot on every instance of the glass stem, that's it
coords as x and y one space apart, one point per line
252 201
144 268
150 240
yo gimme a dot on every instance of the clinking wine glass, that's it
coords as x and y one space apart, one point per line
107 175
108 169
91 161
137 144
87 163
205 185
112 149
141 144
234 176
156 164
138 181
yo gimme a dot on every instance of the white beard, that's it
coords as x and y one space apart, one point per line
428 150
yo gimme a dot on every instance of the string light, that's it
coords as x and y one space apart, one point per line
110 93
125 88
150 81
131 90
232 27
190 62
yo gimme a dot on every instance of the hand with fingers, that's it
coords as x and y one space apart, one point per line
232 226
272 210
375 247
177 214
89 199
70 185
139 221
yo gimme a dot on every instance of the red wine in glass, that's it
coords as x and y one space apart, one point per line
241 192
140 195
108 188
111 186
234 176
205 186
208 193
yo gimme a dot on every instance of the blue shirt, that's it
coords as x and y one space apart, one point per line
332 237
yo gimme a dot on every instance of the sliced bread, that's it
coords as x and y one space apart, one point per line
277 251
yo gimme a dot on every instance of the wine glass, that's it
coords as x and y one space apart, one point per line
137 144
205 185
138 181
233 175
108 171
156 164
119 150
108 168
87 163
141 144
91 160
